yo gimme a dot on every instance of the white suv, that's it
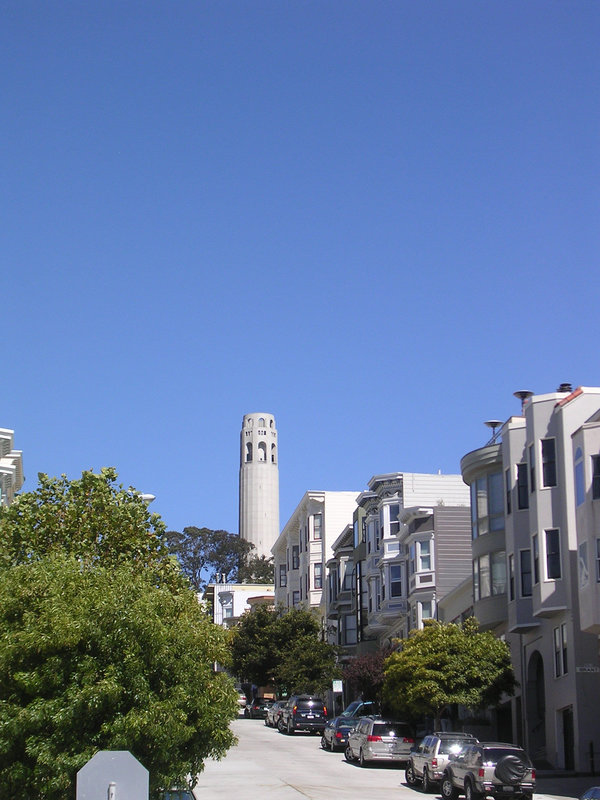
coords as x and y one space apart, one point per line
428 762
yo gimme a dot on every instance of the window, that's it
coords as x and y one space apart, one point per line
394 521
476 579
595 477
248 451
261 422
273 454
396 580
535 555
228 612
579 478
295 556
487 504
560 651
425 608
582 563
317 526
511 577
282 575
531 468
489 575
522 494
484 576
507 489
549 462
349 629
498 562
318 574
295 598
332 580
553 554
347 584
424 556
526 573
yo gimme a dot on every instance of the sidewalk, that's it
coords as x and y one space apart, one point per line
561 784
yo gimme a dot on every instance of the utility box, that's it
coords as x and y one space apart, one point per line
112 775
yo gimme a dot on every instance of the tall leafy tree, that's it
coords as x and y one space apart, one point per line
257 569
285 648
365 674
445 664
206 554
103 644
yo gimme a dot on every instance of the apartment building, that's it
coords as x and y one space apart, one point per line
11 467
304 547
227 602
534 520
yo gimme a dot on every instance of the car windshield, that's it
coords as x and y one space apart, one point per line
390 729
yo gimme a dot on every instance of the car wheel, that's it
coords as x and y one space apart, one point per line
323 743
427 787
280 726
470 793
409 775
448 790
362 759
348 754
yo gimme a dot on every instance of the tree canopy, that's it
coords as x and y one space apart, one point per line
103 644
444 664
365 675
205 554
283 648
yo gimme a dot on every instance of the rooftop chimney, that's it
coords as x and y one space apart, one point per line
565 387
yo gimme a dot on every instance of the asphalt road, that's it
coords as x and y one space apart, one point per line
268 765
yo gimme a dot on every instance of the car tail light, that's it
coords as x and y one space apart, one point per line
338 735
324 711
294 709
481 772
433 761
408 740
532 774
374 739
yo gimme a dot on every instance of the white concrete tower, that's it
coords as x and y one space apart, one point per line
259 482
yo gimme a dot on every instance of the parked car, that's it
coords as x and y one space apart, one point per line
258 708
335 733
361 708
376 739
273 713
593 793
242 699
303 712
496 769
428 762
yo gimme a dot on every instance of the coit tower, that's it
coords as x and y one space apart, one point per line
259 482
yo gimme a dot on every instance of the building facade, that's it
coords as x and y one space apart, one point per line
259 482
304 547
534 538
11 467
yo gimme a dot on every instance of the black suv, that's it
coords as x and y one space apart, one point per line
496 769
303 712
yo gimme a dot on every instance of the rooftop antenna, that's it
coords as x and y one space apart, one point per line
494 424
523 395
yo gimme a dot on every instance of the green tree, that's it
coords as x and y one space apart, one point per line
94 519
103 659
445 664
257 569
103 644
206 554
284 648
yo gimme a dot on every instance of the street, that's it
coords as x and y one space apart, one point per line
267 765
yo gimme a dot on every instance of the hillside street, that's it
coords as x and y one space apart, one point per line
266 765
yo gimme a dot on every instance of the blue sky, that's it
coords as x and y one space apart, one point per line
375 220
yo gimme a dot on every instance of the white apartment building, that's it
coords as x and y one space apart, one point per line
229 601
11 467
535 504
304 547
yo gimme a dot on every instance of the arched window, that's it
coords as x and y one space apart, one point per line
248 451
273 453
261 422
249 422
270 423
262 451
